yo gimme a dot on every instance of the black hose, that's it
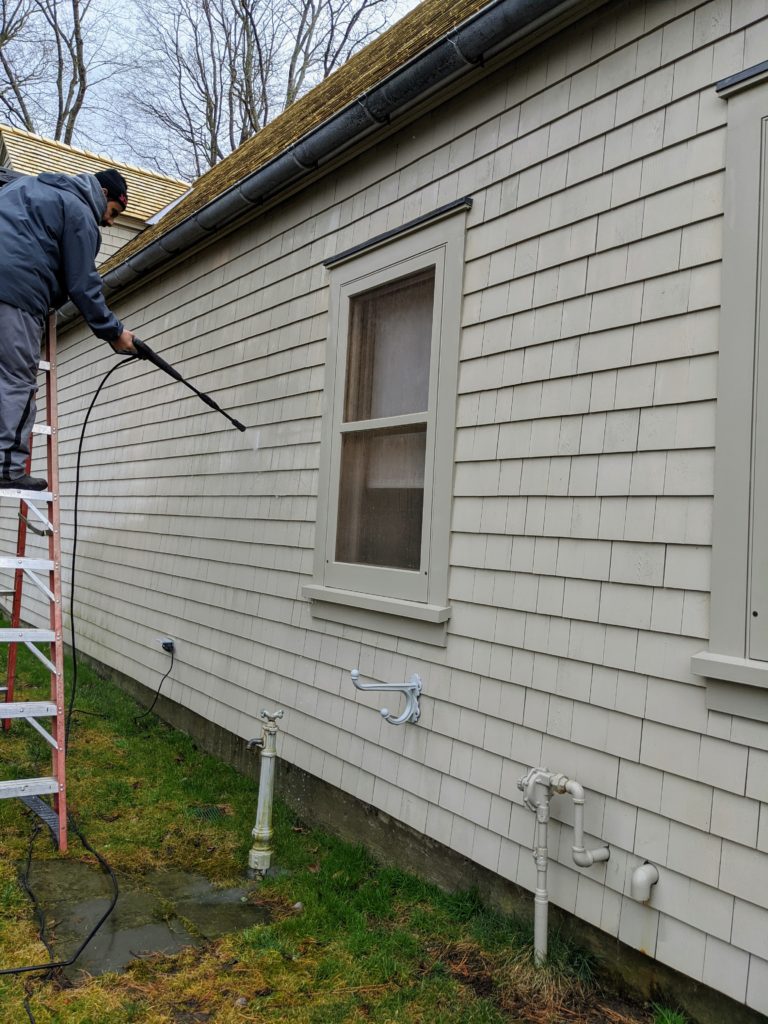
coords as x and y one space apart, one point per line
54 965
73 691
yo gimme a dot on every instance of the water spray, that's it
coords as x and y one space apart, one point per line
143 351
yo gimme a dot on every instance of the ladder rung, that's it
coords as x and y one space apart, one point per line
45 812
20 636
35 564
27 787
28 709
28 496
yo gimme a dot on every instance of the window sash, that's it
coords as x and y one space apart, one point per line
408 584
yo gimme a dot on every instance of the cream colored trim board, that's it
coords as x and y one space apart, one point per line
730 670
458 206
742 80
373 603
737 625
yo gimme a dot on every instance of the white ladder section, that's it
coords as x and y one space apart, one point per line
38 512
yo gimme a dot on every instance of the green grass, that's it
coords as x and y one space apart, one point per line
662 1015
369 944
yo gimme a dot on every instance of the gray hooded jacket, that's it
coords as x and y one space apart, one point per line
49 238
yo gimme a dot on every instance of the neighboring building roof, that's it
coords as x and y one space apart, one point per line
429 22
6 175
26 153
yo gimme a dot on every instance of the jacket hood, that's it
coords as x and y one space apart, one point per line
85 186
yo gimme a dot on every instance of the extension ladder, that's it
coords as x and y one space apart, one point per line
39 513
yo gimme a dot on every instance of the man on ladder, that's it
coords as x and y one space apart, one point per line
49 238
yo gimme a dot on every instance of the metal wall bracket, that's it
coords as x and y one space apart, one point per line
411 690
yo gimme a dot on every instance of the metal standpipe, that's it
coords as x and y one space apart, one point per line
260 854
538 786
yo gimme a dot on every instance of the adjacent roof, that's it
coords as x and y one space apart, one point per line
429 22
32 154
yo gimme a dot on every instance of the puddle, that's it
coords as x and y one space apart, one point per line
160 912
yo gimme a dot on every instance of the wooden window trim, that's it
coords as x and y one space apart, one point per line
393 596
737 683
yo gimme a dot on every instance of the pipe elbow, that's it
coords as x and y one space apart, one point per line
586 858
643 878
575 790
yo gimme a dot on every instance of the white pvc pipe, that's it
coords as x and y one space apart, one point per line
643 878
537 787
541 898
584 858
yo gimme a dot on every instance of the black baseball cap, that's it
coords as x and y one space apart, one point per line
115 184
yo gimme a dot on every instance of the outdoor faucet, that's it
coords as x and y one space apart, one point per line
260 855
411 689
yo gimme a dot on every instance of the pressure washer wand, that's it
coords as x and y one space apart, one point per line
143 351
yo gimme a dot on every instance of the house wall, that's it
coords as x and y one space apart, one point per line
580 545
116 236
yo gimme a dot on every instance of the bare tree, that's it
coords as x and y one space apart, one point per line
17 77
220 69
209 63
53 53
201 78
322 35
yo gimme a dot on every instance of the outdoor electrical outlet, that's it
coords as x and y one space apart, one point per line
167 644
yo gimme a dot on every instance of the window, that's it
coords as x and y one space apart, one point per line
387 448
738 649
384 433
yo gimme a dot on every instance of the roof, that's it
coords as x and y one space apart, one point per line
27 153
429 22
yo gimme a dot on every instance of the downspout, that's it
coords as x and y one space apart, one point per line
487 33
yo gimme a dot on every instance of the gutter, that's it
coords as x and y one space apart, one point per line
487 33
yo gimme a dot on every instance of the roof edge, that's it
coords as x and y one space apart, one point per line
487 33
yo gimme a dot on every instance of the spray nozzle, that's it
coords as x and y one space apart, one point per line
143 351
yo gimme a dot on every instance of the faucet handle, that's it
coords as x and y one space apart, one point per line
273 716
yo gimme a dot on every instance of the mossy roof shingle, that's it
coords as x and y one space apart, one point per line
426 24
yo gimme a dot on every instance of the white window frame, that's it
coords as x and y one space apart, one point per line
736 664
417 595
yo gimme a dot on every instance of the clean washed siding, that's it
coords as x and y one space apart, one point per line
581 520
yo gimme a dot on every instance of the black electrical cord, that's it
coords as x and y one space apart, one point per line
53 965
149 710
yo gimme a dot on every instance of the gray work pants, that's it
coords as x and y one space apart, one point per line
20 334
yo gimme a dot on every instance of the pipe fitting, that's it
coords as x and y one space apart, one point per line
582 857
643 878
537 787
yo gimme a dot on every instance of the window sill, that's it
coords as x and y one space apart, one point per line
730 669
432 613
